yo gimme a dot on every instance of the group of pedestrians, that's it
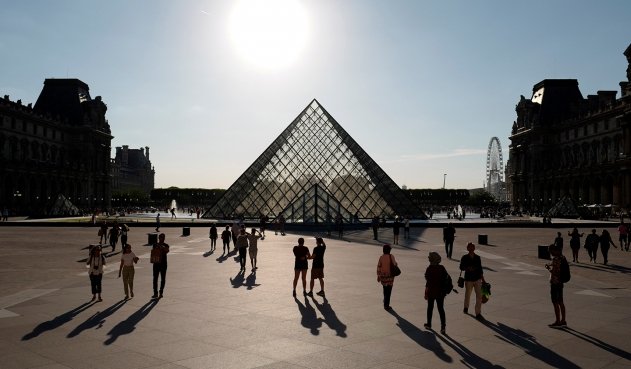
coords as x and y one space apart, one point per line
96 263
301 265
113 234
592 242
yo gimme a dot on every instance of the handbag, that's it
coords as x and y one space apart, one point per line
486 292
460 280
394 269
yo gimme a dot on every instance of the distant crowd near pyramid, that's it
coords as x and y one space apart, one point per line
314 172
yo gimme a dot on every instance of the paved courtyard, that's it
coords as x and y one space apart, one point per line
212 317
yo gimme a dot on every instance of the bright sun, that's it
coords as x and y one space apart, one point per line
269 33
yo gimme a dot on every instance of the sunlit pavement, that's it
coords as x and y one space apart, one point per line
212 317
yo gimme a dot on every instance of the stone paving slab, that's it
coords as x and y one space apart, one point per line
213 317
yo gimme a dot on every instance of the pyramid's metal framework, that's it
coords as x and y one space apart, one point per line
312 173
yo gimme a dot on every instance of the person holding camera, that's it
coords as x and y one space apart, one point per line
317 267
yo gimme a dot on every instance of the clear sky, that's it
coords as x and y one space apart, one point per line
422 86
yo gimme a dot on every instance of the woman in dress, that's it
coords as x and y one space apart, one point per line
128 259
384 274
575 243
95 263
435 276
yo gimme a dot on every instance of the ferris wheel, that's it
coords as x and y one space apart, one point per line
495 169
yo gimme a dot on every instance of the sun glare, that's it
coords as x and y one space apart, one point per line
269 33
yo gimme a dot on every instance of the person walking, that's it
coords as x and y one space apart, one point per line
556 286
384 274
605 241
559 241
317 267
263 225
236 230
103 233
301 264
113 235
591 244
575 243
281 224
159 260
623 232
406 228
339 225
158 222
95 263
242 244
449 235
375 227
126 269
253 238
395 231
212 234
435 275
225 238
471 264
123 232
173 213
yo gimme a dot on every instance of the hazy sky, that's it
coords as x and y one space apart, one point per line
422 86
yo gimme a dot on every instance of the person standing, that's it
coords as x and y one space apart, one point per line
435 275
556 287
471 264
225 238
406 228
449 235
605 241
375 227
623 232
301 264
339 225
591 244
575 243
317 267
384 274
263 221
103 233
126 269
253 238
559 241
213 237
395 231
242 244
281 223
236 230
159 260
95 263
158 222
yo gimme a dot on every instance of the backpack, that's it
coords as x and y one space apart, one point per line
565 271
156 255
448 284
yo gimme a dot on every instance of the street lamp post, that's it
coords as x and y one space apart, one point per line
444 179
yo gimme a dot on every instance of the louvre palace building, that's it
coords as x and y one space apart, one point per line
59 147
563 144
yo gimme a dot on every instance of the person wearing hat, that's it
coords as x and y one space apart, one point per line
434 277
471 265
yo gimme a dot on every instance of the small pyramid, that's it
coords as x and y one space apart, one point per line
314 160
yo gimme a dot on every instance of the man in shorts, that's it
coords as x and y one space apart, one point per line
317 267
253 238
556 287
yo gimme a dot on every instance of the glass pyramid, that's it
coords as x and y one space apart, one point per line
311 173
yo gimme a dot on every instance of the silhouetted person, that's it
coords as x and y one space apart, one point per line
449 235
301 264
605 241
556 287
159 260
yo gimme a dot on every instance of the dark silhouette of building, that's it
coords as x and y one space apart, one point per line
61 146
132 170
314 172
564 144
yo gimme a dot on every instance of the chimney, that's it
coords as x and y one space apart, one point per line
147 152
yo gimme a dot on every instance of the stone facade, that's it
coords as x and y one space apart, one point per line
564 144
132 170
61 146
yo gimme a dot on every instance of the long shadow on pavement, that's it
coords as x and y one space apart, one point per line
237 281
530 345
57 321
309 318
469 359
330 318
97 319
128 325
596 342
424 339
250 281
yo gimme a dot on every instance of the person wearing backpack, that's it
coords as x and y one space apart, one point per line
435 277
559 274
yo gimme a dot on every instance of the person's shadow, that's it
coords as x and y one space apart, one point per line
330 318
57 321
596 342
309 318
469 359
530 345
128 325
238 279
250 281
424 339
97 319
208 253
